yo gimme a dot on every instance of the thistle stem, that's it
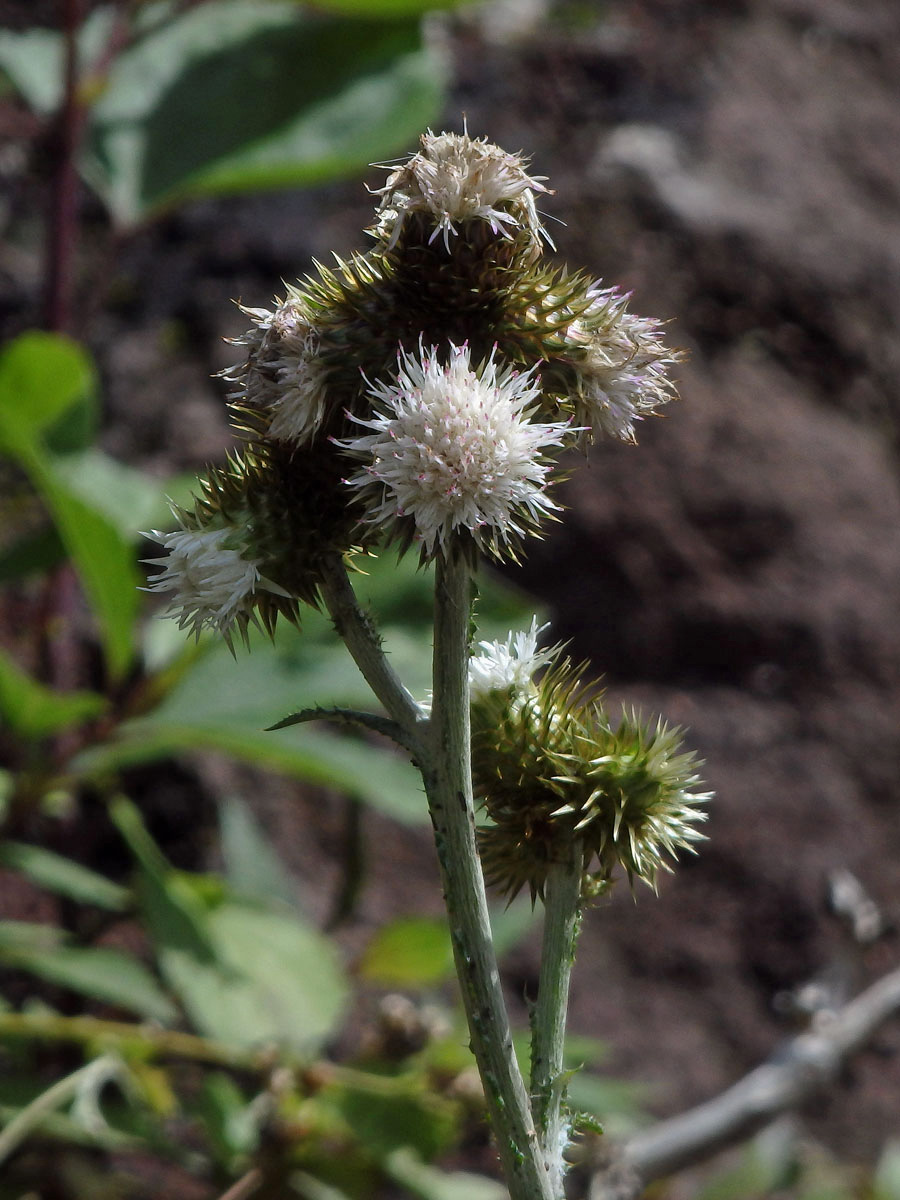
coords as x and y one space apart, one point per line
562 922
361 638
448 785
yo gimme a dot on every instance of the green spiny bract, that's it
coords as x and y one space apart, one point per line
550 768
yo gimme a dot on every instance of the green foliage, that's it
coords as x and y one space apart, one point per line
41 378
236 95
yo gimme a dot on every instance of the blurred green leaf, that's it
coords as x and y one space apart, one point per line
64 877
386 9
235 95
98 972
246 976
128 499
231 1122
766 1163
406 1116
29 935
102 557
253 869
33 58
33 710
428 1183
886 1185
41 376
226 704
409 952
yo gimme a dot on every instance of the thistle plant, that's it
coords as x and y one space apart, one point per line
419 397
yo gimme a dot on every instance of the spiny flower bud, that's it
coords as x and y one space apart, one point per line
550 768
281 383
621 365
509 665
256 541
454 179
453 450
213 576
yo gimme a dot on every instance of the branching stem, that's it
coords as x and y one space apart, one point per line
361 638
448 785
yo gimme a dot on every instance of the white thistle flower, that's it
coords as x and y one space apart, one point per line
509 664
453 448
213 583
282 373
456 178
623 376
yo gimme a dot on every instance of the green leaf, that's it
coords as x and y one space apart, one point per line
128 499
253 868
100 973
246 976
41 376
34 711
29 935
64 877
102 557
227 704
231 1121
428 1183
237 95
409 952
33 58
886 1185
386 9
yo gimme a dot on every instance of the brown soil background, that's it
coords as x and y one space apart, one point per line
736 165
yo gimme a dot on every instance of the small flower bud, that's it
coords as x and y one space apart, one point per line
213 582
282 380
549 768
622 366
455 179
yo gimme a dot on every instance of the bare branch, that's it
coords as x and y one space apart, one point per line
797 1070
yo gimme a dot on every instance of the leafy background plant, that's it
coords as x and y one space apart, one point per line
724 565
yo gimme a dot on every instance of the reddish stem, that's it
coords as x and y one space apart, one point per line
64 199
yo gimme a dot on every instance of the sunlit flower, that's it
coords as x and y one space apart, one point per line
453 449
212 582
623 374
455 178
282 375
510 664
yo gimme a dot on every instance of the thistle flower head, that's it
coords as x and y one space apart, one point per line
550 768
282 379
622 366
453 449
455 178
212 582
509 665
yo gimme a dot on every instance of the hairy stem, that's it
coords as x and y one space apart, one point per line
448 785
359 635
562 922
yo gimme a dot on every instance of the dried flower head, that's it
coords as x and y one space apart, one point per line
282 378
453 449
551 768
455 178
622 367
